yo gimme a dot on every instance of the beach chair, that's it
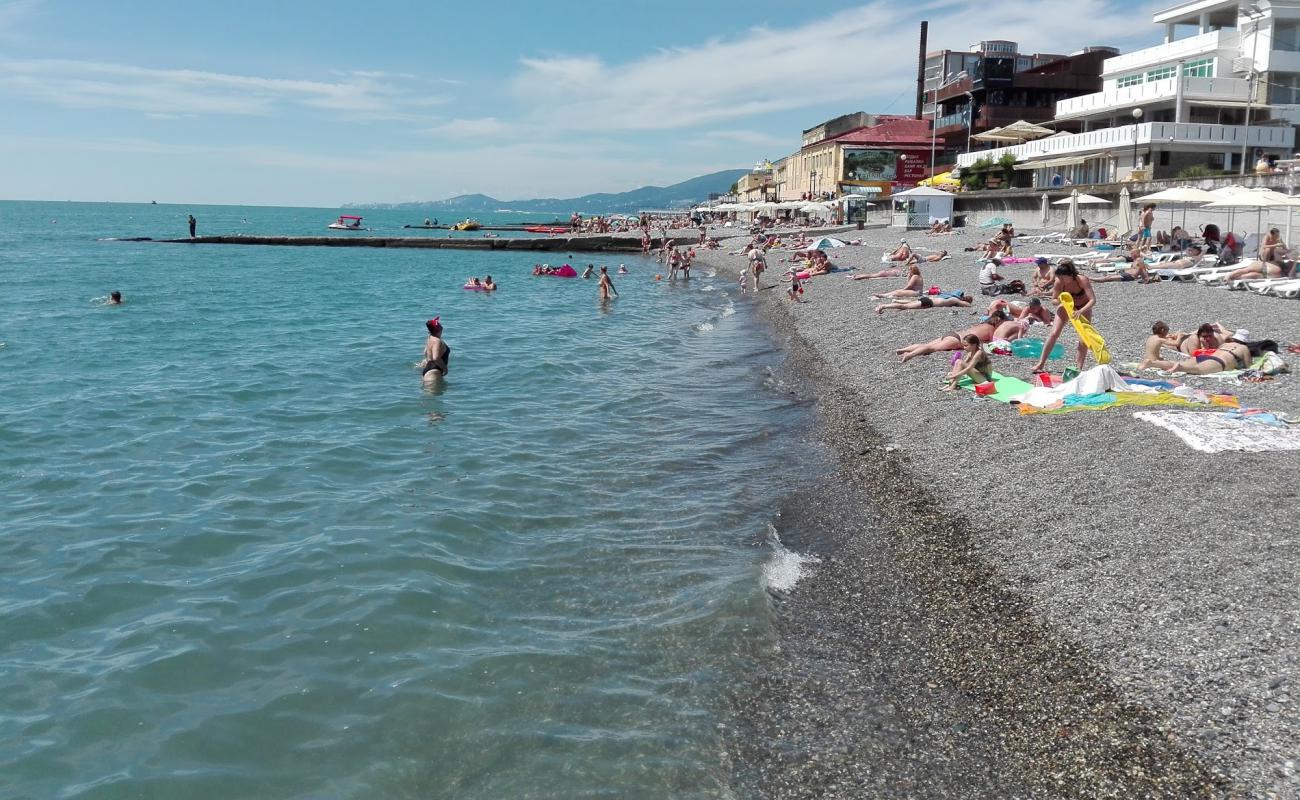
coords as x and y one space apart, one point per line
1207 265
1255 284
1040 238
1290 289
1216 276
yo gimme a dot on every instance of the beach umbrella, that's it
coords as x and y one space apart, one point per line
1047 210
1124 217
1082 199
827 242
1179 196
1072 214
1252 199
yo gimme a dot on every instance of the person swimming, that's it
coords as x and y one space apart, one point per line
437 354
115 299
488 285
622 269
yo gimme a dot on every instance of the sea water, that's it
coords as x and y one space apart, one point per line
245 552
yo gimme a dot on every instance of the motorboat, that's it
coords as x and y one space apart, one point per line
347 222
466 225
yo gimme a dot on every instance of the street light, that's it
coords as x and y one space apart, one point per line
1137 118
1255 15
812 182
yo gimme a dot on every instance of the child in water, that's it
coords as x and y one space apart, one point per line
796 286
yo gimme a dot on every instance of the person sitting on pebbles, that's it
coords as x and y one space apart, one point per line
974 364
902 253
910 289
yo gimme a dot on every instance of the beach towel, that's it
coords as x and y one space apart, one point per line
1099 403
1210 432
1007 387
1087 334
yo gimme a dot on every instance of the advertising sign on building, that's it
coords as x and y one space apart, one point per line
910 170
869 164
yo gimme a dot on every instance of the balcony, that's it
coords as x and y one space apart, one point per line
1202 44
1160 134
1208 90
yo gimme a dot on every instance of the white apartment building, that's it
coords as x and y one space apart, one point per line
1184 102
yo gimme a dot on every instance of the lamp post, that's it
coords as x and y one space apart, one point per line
970 117
1255 15
812 183
1137 119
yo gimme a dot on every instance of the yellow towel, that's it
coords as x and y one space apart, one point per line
1087 334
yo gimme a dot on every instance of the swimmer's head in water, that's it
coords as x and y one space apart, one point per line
434 326
116 297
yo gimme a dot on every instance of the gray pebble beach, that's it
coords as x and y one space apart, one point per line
1073 605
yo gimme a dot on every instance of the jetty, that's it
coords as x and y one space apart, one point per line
596 244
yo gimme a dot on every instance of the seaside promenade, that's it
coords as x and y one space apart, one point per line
1122 608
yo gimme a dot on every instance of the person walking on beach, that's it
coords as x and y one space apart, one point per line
437 354
606 285
193 224
1145 221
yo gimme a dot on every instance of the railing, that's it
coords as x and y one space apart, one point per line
958 118
1200 44
1227 136
1220 89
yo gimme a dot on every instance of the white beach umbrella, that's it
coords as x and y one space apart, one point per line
1180 196
1047 210
1071 214
1124 217
1082 199
1252 199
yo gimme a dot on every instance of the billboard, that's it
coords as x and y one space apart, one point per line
868 164
911 169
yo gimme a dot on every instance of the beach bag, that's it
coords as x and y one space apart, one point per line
933 290
1014 287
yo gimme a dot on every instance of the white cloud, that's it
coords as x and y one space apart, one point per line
88 84
746 137
480 128
842 58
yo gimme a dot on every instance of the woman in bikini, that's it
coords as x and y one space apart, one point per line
1232 354
910 289
923 302
1069 281
437 354
1207 337
975 364
983 331
903 253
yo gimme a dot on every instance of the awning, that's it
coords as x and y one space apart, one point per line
862 190
1057 162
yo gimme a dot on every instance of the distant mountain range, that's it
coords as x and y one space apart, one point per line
679 195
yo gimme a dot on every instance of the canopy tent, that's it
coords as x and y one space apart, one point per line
919 192
1018 131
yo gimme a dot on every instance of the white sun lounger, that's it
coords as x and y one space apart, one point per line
1207 265
1290 289
1040 238
1217 276
1256 284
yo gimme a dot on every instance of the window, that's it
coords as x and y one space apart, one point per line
1284 88
1160 73
1128 80
1201 68
1286 35
1216 161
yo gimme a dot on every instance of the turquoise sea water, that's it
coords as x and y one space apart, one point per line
245 553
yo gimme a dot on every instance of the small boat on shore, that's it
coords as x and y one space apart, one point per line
347 222
466 225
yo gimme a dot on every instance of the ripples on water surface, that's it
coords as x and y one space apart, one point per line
244 553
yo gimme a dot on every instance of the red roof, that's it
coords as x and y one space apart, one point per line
895 131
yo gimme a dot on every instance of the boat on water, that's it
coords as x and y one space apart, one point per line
347 222
466 225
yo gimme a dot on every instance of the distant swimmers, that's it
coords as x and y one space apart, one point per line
622 269
437 354
115 299
488 285
586 273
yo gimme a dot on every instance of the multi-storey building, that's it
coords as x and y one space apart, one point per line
1220 91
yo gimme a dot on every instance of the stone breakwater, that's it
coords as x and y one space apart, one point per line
590 244
1077 605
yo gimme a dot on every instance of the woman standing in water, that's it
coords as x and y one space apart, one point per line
437 353
606 285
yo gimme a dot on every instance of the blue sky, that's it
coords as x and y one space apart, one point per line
295 103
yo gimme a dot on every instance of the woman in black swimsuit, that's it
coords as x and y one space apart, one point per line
437 353
1232 354
1068 280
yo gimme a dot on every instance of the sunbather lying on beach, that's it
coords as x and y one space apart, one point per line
1207 337
910 289
975 364
983 331
1137 272
903 253
1257 270
1232 354
892 272
925 301
1019 317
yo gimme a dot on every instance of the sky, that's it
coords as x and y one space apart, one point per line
283 102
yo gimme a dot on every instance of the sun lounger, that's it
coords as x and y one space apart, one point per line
1290 289
1206 266
1217 276
1040 238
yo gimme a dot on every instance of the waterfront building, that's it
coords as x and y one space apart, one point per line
993 85
862 154
1221 91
